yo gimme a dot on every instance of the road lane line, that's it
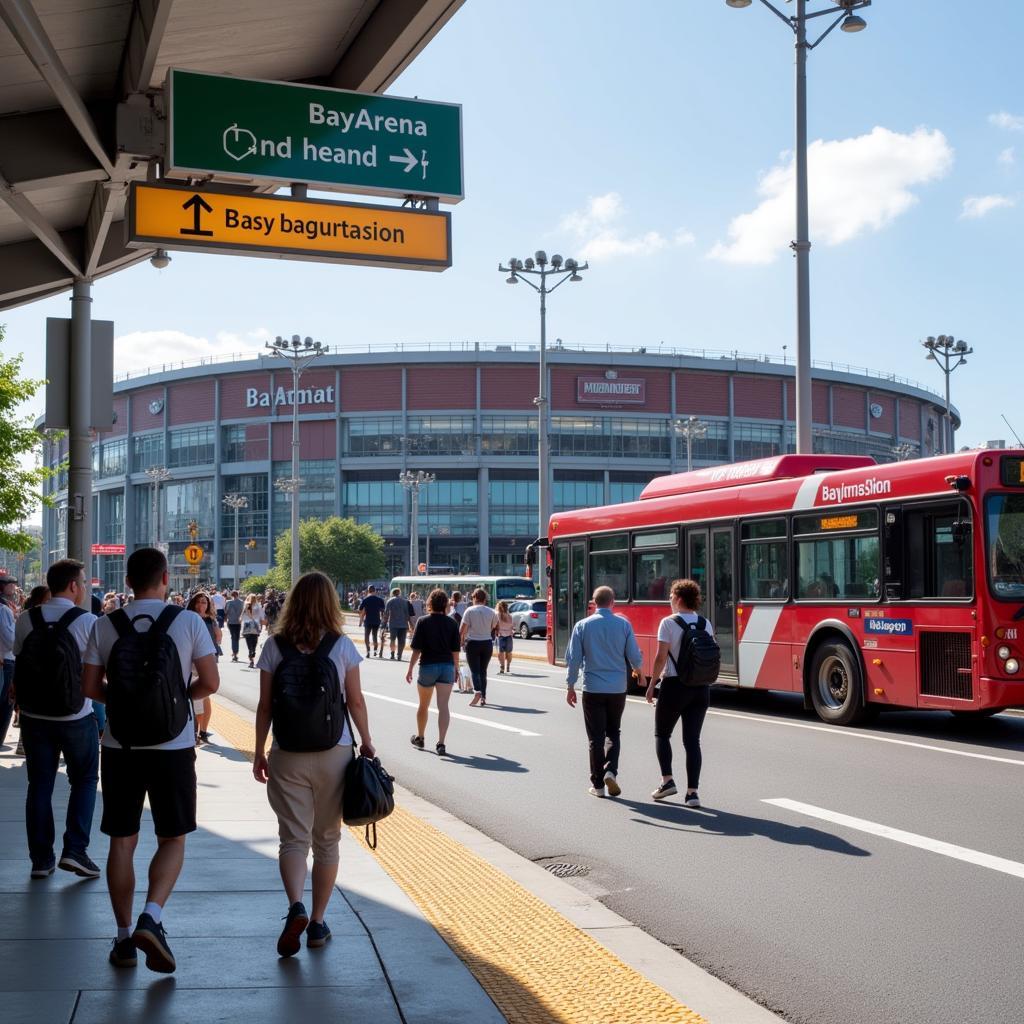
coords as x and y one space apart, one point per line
985 860
465 718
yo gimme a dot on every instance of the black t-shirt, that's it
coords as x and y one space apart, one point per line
372 605
436 638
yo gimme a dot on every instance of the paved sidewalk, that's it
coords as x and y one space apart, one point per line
385 963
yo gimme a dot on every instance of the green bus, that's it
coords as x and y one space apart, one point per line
499 588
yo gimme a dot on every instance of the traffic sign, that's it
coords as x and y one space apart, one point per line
240 129
223 221
193 554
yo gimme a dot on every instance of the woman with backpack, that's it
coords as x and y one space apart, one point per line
305 771
687 647
252 624
201 604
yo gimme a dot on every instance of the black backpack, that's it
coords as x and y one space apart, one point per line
700 657
306 703
147 698
49 667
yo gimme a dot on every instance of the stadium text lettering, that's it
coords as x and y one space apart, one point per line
254 398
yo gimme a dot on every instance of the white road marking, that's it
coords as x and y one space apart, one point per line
985 860
464 718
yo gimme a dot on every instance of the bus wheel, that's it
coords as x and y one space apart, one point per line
836 685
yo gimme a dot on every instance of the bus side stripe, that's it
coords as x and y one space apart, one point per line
808 493
757 635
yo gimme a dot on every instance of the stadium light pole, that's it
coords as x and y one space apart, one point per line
412 482
300 353
157 475
692 429
846 19
236 502
543 270
949 354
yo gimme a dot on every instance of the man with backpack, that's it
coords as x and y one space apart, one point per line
57 720
149 744
686 641
605 647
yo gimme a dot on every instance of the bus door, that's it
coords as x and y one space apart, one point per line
570 591
709 562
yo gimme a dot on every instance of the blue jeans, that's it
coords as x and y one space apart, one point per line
442 673
44 743
6 707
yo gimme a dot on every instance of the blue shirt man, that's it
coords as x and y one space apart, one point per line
605 647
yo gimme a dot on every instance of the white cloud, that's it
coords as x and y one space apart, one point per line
600 235
1008 156
976 207
1008 122
142 350
856 185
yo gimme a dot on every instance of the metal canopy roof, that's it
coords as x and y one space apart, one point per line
66 66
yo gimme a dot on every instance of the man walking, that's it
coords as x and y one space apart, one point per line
148 746
57 719
233 616
219 601
370 610
605 647
396 620
7 589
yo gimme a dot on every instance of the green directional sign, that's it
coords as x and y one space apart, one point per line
237 128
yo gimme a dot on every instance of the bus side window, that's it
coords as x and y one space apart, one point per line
939 554
765 562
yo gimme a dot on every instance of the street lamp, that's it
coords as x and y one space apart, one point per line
692 429
300 353
157 475
949 354
412 482
849 22
237 502
543 269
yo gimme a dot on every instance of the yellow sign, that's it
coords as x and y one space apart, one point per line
193 554
839 523
279 227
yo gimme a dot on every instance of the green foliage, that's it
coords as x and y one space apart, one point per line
19 487
341 549
274 579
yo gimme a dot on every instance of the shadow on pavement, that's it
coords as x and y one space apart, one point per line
515 710
488 763
726 823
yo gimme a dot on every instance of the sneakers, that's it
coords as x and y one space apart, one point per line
442 749
664 790
317 934
295 922
43 870
150 938
123 953
392 655
612 784
416 741
78 864
692 800
595 791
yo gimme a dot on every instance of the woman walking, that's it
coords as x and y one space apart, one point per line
506 629
435 647
252 624
678 698
202 710
479 625
305 787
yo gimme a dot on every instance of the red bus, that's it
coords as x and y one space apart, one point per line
860 586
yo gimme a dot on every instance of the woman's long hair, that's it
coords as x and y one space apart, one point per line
250 602
502 609
195 599
311 609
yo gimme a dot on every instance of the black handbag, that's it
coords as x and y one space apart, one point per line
369 795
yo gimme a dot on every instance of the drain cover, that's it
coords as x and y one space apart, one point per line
564 870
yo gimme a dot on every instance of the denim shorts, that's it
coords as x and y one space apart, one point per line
505 644
443 672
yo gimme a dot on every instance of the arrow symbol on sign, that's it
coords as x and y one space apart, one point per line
409 160
196 204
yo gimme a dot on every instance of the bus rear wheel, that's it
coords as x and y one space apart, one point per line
837 685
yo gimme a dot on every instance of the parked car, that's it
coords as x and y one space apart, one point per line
530 618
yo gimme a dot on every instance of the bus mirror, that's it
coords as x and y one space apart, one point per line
531 555
550 571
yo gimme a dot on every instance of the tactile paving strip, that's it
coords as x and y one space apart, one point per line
538 967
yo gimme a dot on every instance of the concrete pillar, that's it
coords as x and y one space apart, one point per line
484 518
79 530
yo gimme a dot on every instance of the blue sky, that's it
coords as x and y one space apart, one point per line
652 138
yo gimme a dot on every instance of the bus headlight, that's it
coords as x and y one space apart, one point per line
1012 666
1003 652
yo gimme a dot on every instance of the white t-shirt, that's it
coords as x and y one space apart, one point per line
481 620
343 654
190 636
219 601
254 617
53 610
670 631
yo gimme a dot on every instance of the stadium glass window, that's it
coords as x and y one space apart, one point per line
316 496
185 501
756 441
252 520
577 490
191 446
627 486
441 435
508 435
655 564
244 442
111 517
372 435
764 555
147 451
114 459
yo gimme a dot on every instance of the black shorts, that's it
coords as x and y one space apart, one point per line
167 777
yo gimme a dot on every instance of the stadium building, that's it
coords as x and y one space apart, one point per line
467 414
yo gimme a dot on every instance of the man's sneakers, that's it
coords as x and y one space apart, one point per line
392 655
664 790
43 870
611 783
150 938
123 953
78 864
596 791
295 924
317 934
692 800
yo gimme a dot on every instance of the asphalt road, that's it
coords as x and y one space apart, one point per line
886 884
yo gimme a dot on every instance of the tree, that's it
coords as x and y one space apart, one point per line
20 487
341 549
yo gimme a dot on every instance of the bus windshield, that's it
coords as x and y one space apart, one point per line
1004 515
514 587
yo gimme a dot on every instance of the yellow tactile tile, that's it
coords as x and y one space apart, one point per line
538 967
